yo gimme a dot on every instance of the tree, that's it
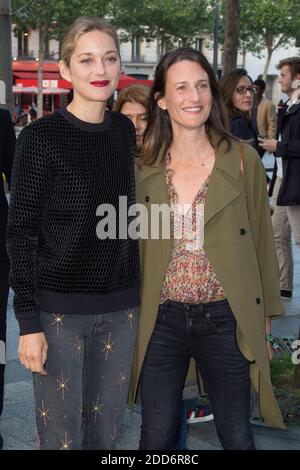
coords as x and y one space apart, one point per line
128 17
268 24
167 21
231 34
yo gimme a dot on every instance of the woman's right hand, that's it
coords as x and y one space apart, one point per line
33 352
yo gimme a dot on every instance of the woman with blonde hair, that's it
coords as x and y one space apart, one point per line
76 287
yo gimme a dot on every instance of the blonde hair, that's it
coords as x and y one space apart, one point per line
133 94
82 25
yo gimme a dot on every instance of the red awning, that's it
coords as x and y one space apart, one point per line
32 66
126 80
26 82
32 75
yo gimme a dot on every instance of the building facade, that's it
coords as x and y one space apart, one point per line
139 57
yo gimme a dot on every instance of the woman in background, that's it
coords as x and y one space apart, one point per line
237 91
132 101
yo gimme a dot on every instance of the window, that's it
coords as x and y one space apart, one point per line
136 49
22 43
199 44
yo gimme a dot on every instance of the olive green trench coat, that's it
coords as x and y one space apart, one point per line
238 241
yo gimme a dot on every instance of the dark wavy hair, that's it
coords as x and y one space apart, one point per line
158 132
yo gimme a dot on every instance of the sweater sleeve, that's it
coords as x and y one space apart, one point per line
239 128
28 190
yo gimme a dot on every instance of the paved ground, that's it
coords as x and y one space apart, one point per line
17 422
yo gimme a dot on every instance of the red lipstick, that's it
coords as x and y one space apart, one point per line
100 83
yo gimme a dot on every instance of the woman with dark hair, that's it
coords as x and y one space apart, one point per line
210 288
237 91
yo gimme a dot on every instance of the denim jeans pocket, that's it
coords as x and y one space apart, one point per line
161 312
222 319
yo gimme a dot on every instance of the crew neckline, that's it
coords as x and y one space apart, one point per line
83 125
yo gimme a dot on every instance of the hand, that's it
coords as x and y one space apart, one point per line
269 345
270 351
33 352
270 145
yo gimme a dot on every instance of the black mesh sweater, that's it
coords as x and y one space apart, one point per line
64 169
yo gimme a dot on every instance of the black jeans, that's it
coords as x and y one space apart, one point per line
80 403
205 332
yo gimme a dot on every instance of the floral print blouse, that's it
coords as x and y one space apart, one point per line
190 277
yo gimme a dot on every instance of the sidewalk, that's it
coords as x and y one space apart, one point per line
17 424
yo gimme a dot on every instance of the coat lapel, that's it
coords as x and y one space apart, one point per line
222 188
220 193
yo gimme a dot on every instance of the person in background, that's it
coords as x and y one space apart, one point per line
237 91
76 287
208 291
7 150
286 175
32 112
132 101
266 116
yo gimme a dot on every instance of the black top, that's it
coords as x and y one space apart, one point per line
289 150
245 129
64 170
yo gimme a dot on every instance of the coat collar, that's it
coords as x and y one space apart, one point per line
226 161
221 189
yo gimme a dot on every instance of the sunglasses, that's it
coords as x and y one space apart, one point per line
242 90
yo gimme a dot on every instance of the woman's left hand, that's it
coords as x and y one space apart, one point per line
269 345
270 351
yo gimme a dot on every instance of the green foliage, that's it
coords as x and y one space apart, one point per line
55 15
287 395
164 20
282 369
268 24
144 18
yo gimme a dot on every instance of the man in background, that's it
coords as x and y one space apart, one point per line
286 193
266 116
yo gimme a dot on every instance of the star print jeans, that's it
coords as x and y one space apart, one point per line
81 401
